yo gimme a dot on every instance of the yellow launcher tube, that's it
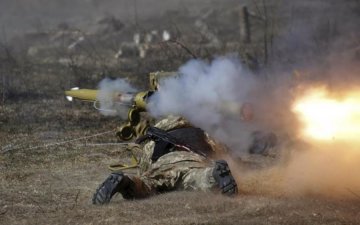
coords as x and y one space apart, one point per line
83 94
137 100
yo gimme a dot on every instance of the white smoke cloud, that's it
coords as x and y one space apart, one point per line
107 90
210 96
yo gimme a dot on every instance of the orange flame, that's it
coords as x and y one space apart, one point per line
329 118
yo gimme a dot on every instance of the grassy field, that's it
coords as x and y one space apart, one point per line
54 184
50 163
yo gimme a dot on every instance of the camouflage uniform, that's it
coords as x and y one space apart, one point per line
176 170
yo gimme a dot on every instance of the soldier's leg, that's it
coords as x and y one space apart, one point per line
216 177
189 171
175 170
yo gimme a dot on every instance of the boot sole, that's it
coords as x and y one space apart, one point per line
107 189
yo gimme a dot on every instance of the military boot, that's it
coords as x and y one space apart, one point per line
224 179
116 182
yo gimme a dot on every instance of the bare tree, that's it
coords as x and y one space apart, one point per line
245 33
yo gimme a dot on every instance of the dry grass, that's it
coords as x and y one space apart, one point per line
54 185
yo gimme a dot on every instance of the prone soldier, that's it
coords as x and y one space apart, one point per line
175 155
183 159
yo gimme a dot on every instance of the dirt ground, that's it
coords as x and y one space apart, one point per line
52 152
54 184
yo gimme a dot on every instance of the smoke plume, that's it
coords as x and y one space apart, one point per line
210 96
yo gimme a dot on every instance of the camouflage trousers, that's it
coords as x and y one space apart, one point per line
179 170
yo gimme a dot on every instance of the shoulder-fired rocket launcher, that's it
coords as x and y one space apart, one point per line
136 100
136 103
